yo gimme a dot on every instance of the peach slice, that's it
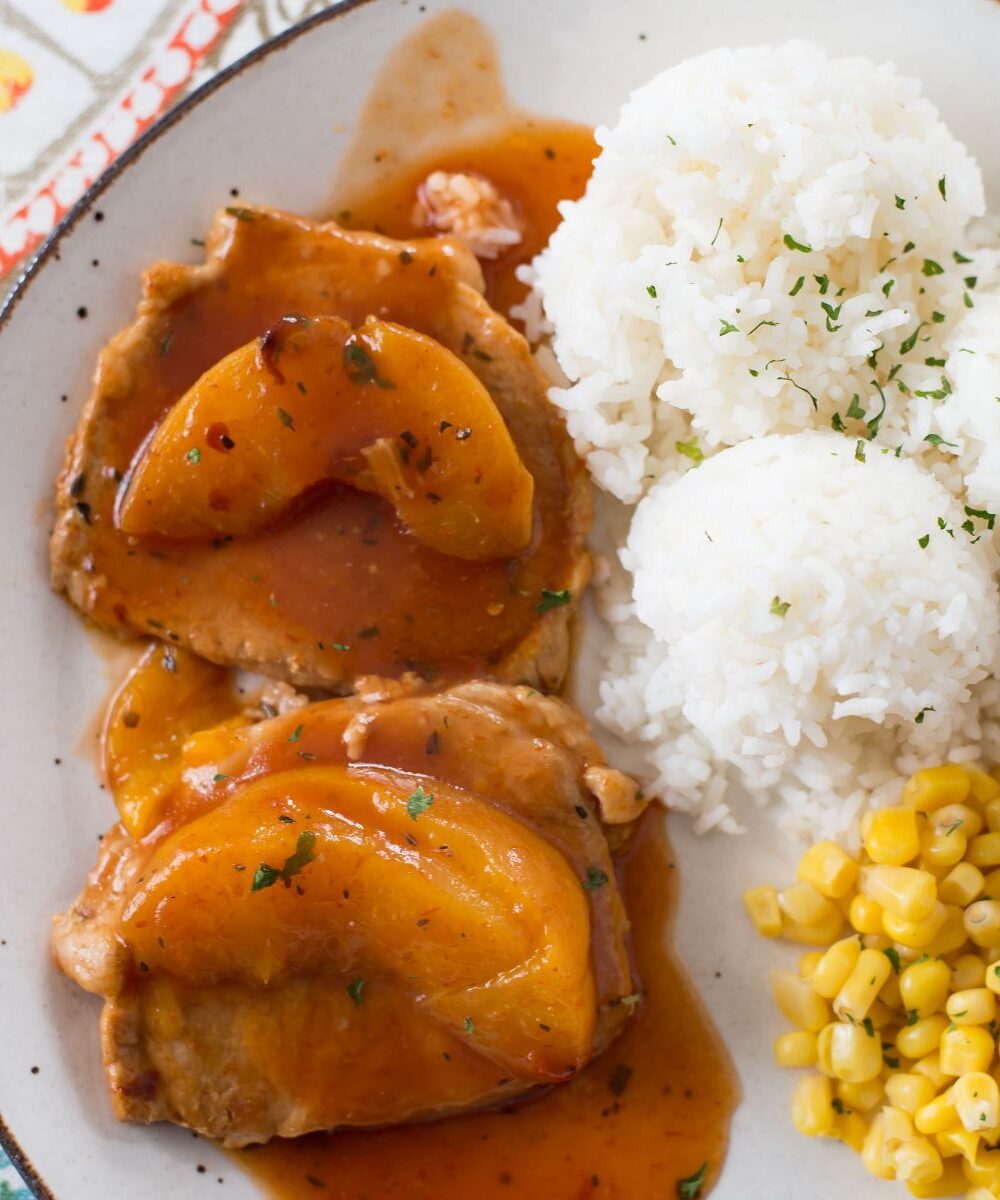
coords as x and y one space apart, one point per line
382 408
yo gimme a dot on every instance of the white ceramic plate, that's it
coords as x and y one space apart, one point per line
269 127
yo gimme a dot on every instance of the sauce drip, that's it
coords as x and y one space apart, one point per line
647 1113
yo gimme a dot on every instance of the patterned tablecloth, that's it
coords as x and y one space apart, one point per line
79 81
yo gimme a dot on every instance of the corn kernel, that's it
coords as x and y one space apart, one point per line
804 904
906 892
796 1049
762 905
951 936
982 922
993 978
982 787
963 884
890 835
890 993
966 972
861 987
941 851
958 1141
951 1183
919 1161
923 987
991 885
974 1006
985 1171
936 1115
865 915
977 1101
796 999
873 1152
855 1054
808 963
984 850
991 811
908 1091
834 967
930 1067
955 818
819 934
828 868
851 1128
966 1048
897 1128
933 787
862 1097
921 1038
915 934
881 1015
812 1106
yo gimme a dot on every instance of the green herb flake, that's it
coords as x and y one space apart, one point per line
982 514
893 956
286 419
855 410
919 718
959 257
552 600
169 337
468 1025
900 202
887 287
241 214
596 878
726 327
264 877
718 230
869 1026
838 423
779 607
418 802
193 456
798 286
296 733
690 1188
360 367
859 451
924 541
651 290
691 450
792 244
907 345
931 267
943 187
935 440
354 990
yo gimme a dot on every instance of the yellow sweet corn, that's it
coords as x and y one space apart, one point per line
906 892
966 972
966 1048
930 1067
977 1101
963 884
812 1106
795 997
890 835
820 933
829 869
834 966
934 787
796 1049
808 963
984 850
983 788
762 905
804 904
860 1096
936 1115
915 934
909 1091
923 987
982 923
991 810
865 915
951 1183
992 978
954 818
974 1006
851 1128
918 1161
923 1037
941 851
861 987
955 1142
855 1052
873 1151
984 1171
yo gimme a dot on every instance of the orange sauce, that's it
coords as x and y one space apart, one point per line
649 1112
533 163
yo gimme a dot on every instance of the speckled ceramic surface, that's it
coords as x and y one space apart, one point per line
274 130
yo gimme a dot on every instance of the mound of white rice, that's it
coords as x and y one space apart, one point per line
810 611
772 240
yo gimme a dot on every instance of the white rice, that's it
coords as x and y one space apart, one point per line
891 626
772 243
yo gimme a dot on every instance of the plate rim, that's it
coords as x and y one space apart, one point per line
9 1144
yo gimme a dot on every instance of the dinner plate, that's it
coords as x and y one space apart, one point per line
273 128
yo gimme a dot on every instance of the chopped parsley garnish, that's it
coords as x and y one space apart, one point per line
264 877
241 214
960 258
838 423
900 202
869 1026
779 607
596 878
218 777
798 286
888 286
919 718
823 283
893 956
718 230
286 419
726 327
651 290
907 345
983 515
354 990
855 409
792 244
943 187
690 1188
468 1025
418 802
935 440
947 833
691 450
758 325
360 367
859 451
931 267
552 600
924 541
165 344
296 733
193 456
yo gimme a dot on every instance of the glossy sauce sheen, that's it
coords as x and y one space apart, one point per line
647 1113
